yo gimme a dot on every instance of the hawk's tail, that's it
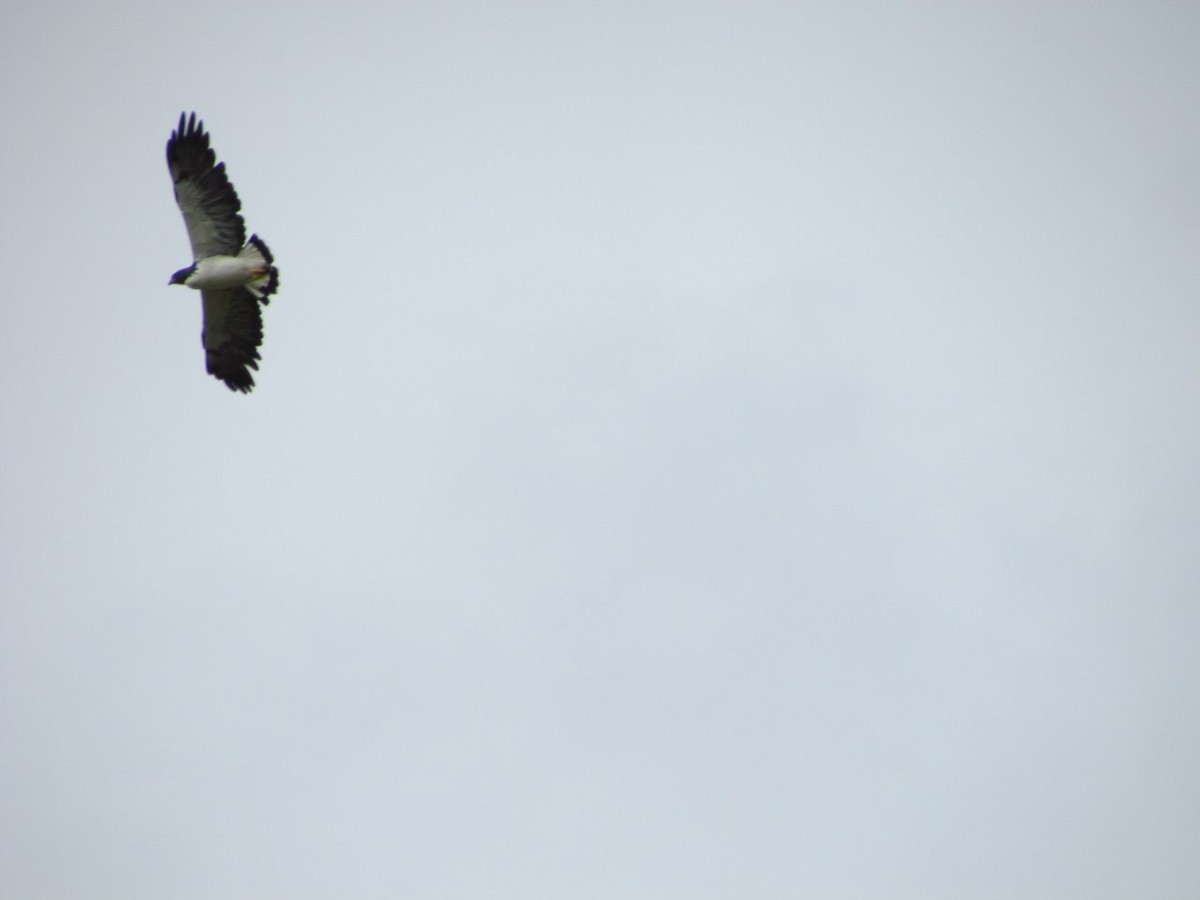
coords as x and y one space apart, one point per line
256 250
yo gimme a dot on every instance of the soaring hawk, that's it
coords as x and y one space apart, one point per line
232 278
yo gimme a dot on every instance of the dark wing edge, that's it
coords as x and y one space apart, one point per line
209 204
231 337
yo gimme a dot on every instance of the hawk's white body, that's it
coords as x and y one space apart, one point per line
226 272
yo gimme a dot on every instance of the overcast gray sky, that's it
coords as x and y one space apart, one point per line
701 450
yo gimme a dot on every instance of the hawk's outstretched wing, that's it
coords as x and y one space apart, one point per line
207 200
232 335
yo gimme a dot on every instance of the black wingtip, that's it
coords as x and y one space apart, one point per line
188 150
235 374
187 127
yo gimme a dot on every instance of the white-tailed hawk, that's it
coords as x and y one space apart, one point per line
232 274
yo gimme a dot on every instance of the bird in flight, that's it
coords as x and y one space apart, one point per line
233 275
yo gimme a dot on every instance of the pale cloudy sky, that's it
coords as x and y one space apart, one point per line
701 450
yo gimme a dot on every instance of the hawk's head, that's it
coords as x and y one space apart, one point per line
182 275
